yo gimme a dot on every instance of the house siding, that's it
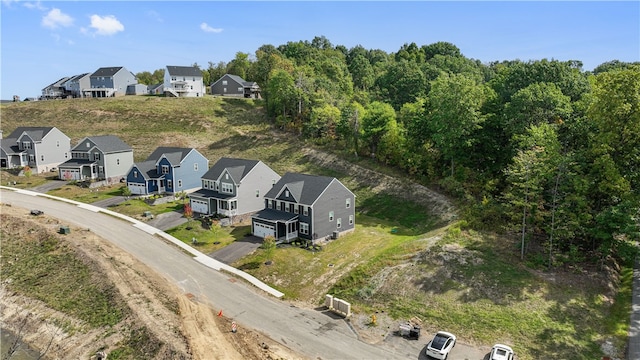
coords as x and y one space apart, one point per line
54 146
231 88
187 174
260 178
333 199
117 169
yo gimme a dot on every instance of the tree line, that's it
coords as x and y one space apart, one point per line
541 149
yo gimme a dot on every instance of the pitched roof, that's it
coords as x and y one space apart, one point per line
238 168
58 83
107 71
35 133
106 143
175 155
148 169
184 71
153 87
77 77
10 145
304 188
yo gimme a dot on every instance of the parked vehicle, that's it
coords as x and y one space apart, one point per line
441 345
36 212
501 352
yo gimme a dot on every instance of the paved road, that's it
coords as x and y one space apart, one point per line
315 334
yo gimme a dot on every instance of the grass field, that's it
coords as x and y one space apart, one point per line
400 259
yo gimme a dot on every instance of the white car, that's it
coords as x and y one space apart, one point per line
441 345
501 352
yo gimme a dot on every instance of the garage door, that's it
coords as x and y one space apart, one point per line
137 189
262 230
69 174
199 206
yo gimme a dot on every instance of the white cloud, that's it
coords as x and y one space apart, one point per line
34 5
106 25
207 28
56 18
155 16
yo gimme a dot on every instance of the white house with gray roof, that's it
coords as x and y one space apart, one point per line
233 187
109 82
305 206
234 85
40 148
56 90
96 158
74 85
183 81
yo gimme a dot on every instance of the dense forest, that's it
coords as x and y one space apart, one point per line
540 149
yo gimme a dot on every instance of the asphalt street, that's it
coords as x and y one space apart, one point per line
316 334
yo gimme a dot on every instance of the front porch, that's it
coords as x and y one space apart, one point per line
283 226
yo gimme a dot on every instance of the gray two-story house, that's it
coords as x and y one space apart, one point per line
234 85
109 82
75 84
168 170
307 207
233 188
96 158
40 148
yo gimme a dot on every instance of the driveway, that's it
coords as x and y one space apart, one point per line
166 221
48 186
112 201
237 249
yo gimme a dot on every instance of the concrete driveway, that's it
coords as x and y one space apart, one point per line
237 249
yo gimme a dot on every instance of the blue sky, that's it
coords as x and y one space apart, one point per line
44 41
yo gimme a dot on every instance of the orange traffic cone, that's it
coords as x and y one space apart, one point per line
220 313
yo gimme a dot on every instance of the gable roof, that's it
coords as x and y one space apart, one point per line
184 71
175 155
106 143
10 146
304 188
107 71
154 87
148 169
238 168
35 133
58 83
77 77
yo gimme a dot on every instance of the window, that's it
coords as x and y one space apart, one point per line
339 223
217 186
226 176
173 78
224 82
41 157
57 143
304 228
286 193
234 205
305 210
26 145
350 219
296 209
165 169
270 204
179 183
257 193
117 161
330 215
66 155
169 183
195 167
348 203
227 188
281 206
135 174
100 169
239 89
88 145
96 156
224 89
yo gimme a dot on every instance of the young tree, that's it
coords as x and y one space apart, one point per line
376 122
269 246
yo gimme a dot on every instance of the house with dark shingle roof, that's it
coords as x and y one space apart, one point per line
96 158
74 85
183 81
167 170
56 90
233 187
305 206
40 148
233 85
109 82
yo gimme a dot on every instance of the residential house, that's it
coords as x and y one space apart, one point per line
56 90
40 148
96 158
167 170
233 187
74 85
109 82
307 207
156 89
233 85
183 81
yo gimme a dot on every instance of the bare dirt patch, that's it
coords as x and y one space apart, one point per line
180 325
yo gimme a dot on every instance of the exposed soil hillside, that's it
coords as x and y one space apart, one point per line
172 324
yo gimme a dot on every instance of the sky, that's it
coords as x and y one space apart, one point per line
43 41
